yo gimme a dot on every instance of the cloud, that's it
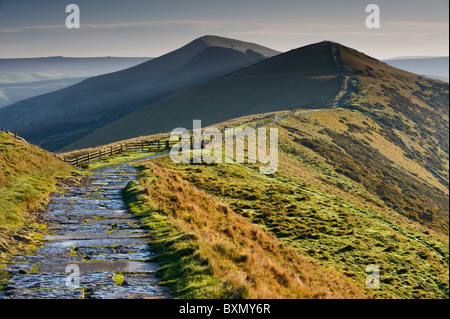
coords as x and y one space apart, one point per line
110 26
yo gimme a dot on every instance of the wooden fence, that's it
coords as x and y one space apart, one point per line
143 146
14 135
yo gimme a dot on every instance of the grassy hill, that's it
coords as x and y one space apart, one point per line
361 181
28 175
306 77
57 119
207 250
205 218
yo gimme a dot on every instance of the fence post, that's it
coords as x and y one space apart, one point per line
100 154
167 144
77 162
89 157
111 151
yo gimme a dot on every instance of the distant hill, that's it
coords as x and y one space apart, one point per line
59 118
302 78
24 78
433 67
11 93
68 67
410 111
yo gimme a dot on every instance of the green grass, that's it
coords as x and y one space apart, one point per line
330 230
121 158
208 251
183 271
28 175
310 205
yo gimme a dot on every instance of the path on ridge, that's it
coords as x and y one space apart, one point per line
90 230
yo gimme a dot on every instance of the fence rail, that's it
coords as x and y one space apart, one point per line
152 145
14 135
144 145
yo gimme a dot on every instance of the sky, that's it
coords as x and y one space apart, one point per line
149 28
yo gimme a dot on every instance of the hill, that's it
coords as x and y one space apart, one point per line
24 78
410 111
17 91
302 78
226 230
59 118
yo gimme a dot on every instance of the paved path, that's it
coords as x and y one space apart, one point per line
93 233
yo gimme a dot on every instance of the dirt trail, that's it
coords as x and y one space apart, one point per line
93 232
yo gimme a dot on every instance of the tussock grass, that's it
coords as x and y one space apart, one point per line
209 251
28 175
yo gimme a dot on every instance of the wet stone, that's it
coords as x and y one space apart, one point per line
58 238
62 220
35 259
141 256
100 266
79 228
92 229
118 223
58 280
58 209
87 251
57 293
19 267
53 251
125 249
129 292
142 279
96 242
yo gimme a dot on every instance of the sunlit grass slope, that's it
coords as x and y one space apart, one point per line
28 175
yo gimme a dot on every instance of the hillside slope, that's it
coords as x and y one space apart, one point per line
59 118
306 77
24 78
28 174
344 197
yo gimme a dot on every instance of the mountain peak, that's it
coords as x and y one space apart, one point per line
218 41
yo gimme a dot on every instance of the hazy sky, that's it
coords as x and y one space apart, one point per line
33 28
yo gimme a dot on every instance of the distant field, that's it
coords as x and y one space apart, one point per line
21 86
24 78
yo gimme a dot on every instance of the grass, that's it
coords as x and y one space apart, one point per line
209 251
329 217
120 158
325 215
28 175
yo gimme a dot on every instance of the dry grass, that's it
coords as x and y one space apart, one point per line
28 175
247 260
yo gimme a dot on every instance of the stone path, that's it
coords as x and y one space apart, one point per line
95 249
